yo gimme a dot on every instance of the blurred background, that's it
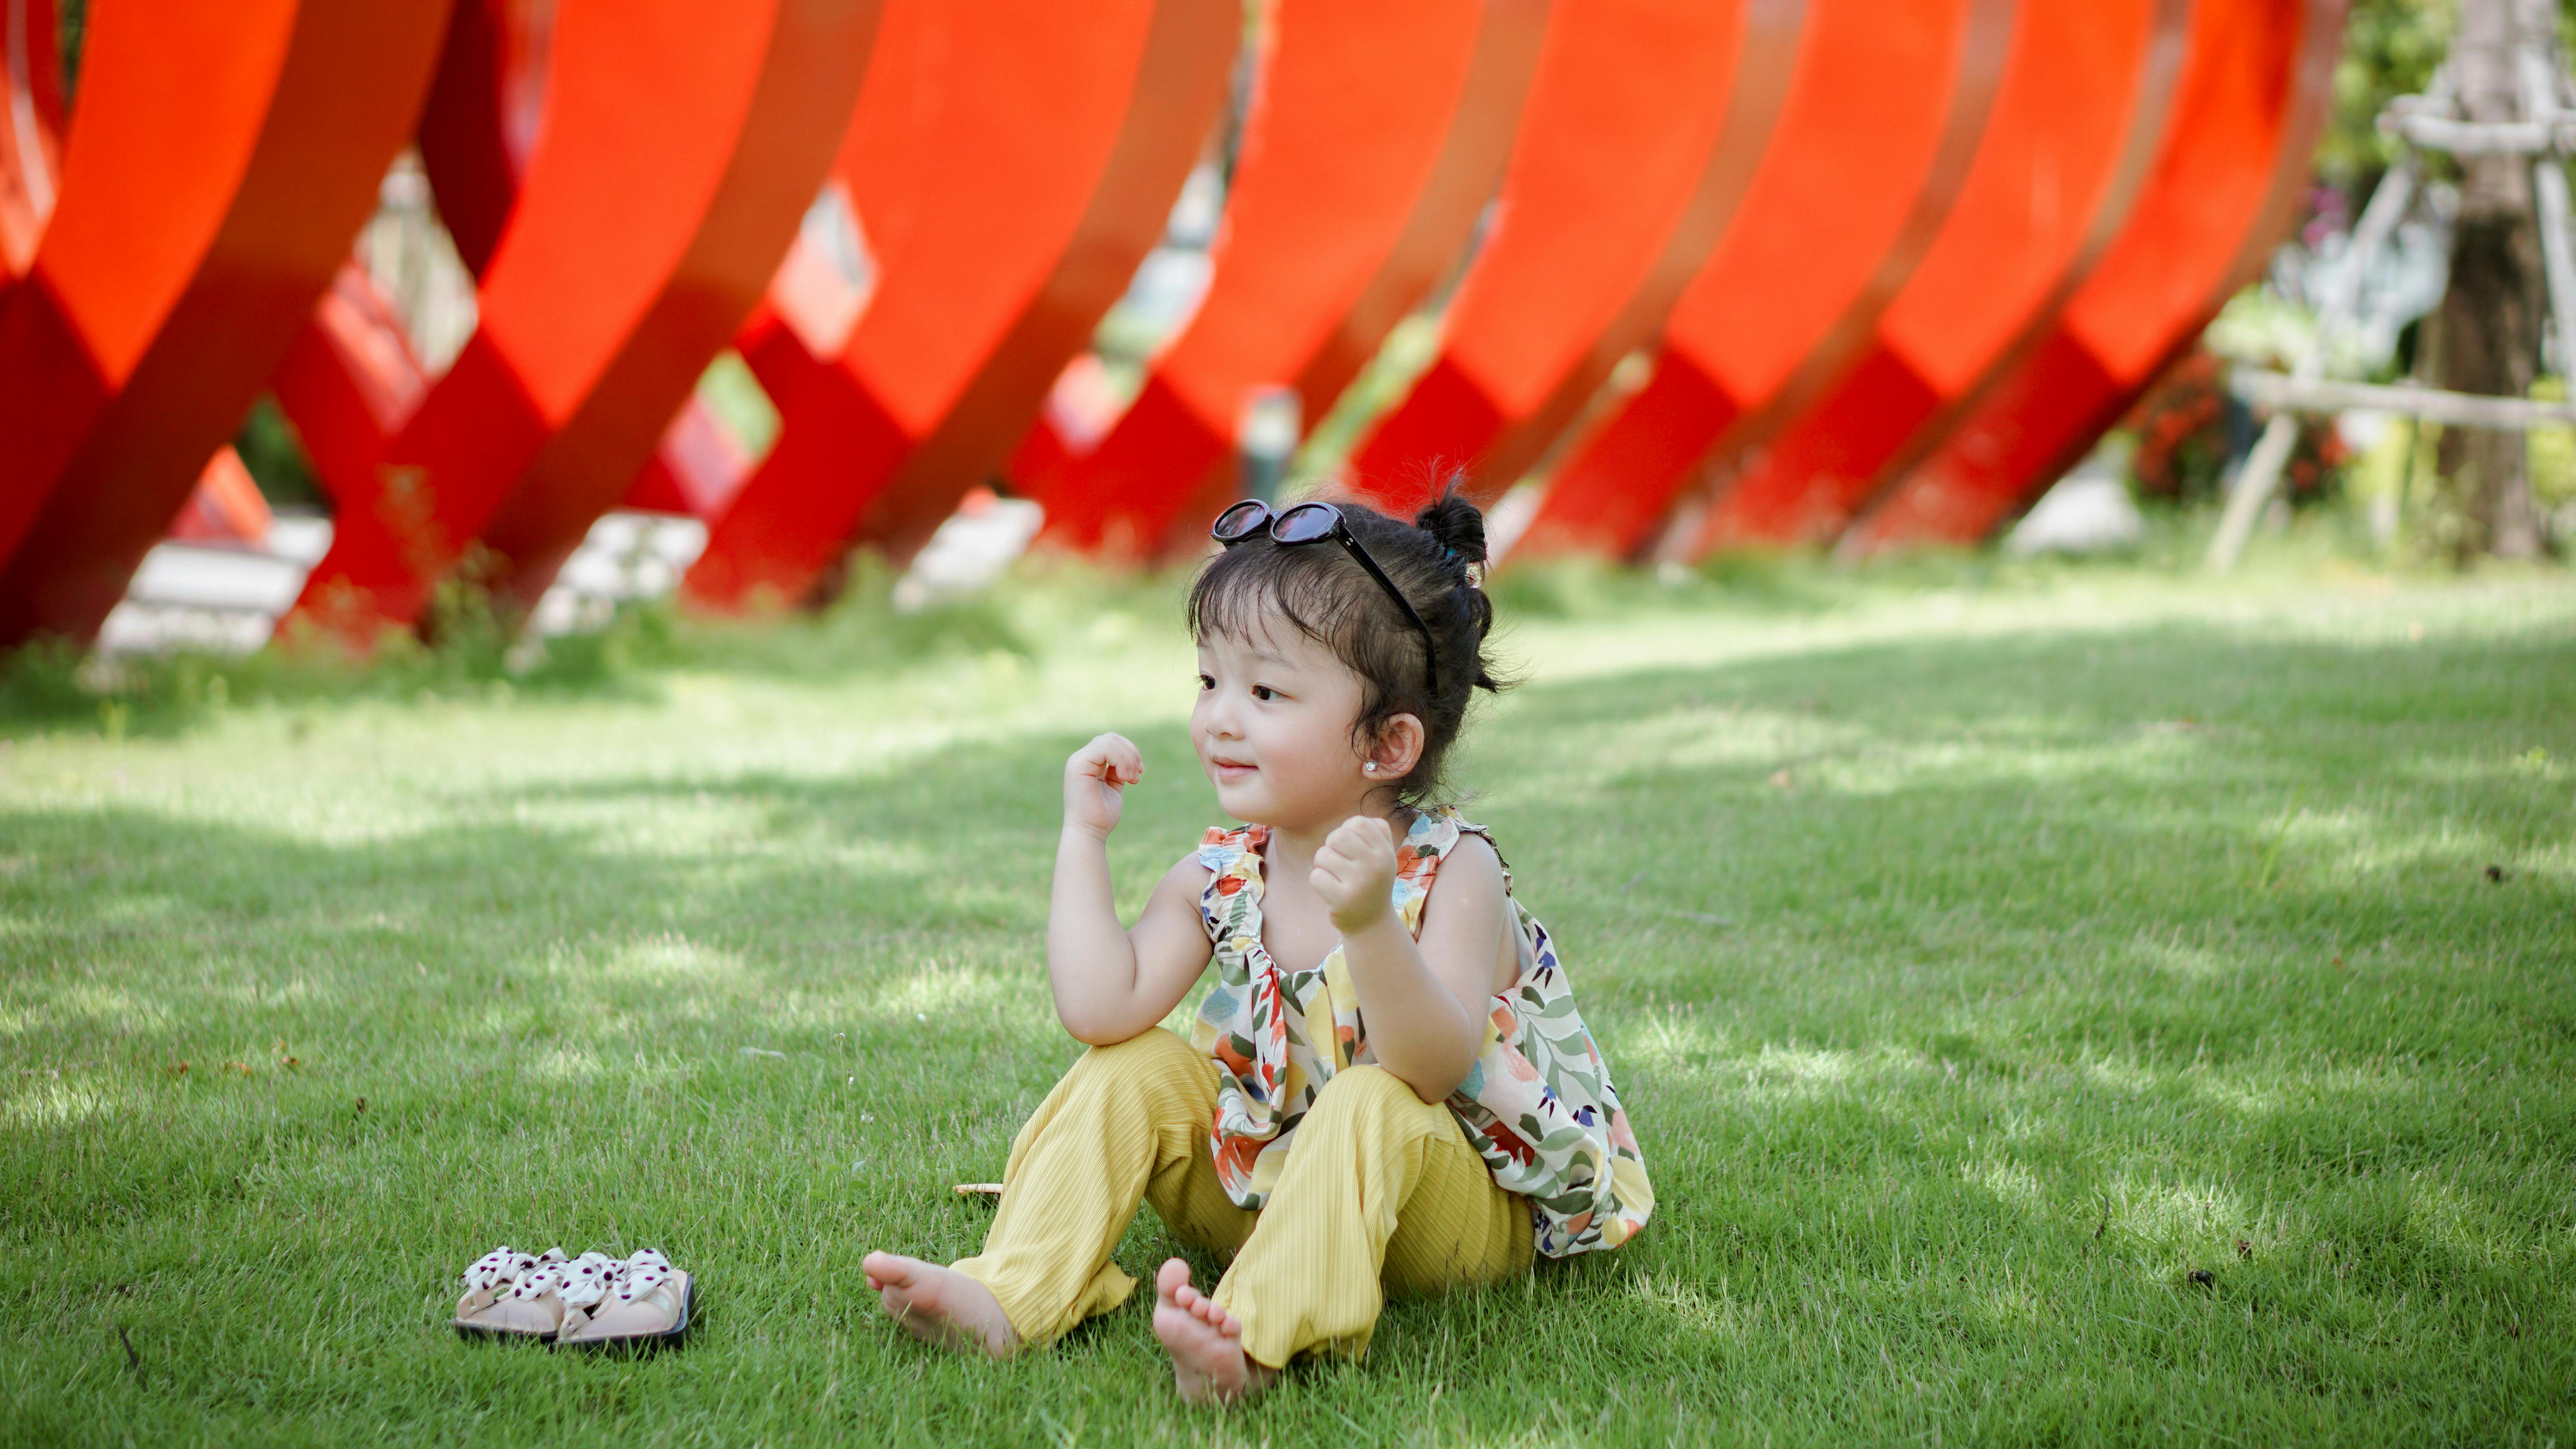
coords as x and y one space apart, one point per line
361 322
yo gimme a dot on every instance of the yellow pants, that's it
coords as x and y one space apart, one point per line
1380 1192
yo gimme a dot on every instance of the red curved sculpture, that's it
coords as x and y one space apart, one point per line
2253 93
1900 259
1643 127
1012 161
786 148
31 128
1375 136
1900 93
486 108
682 141
354 375
223 157
2074 126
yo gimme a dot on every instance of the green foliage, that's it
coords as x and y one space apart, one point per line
860 630
1411 346
2390 49
2058 1004
275 456
48 687
469 648
729 390
2552 453
71 32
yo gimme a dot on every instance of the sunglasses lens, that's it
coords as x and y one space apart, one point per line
1239 522
1304 523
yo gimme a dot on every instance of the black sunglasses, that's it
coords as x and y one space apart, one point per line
1313 523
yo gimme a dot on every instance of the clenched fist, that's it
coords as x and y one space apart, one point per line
1094 780
1355 872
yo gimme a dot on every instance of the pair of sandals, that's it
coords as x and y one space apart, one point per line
593 1301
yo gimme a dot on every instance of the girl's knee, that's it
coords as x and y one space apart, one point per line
1370 1093
1140 1064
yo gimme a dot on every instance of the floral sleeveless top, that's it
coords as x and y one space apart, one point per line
1537 1105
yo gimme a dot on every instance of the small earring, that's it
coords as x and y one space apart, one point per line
1369 769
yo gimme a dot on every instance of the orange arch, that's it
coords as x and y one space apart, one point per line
1643 127
683 139
486 108
31 129
1011 162
1898 93
1375 136
222 158
2225 186
2074 125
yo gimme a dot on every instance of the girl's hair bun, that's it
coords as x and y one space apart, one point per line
1457 525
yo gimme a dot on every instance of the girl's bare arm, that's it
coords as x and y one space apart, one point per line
1112 982
1423 1003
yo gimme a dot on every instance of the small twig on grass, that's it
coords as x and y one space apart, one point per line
133 1360
2106 1218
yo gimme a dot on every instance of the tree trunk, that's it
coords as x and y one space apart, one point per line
2488 326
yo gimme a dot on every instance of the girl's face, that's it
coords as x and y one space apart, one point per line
1273 730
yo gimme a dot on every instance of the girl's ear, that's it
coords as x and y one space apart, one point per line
1397 748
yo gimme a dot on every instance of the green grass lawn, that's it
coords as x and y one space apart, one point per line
2062 1005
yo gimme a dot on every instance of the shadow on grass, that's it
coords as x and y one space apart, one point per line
1970 996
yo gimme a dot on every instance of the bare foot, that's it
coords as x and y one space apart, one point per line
940 1305
1209 1365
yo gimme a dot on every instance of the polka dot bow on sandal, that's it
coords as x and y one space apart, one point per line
594 1300
506 1295
647 1305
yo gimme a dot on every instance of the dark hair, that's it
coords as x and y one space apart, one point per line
1320 590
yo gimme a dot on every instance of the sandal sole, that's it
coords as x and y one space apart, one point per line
482 1330
643 1342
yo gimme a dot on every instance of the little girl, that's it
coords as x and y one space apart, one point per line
1388 1085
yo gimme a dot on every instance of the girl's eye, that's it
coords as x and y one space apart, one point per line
1264 693
1206 683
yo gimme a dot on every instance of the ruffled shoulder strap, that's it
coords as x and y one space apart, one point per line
1453 825
1433 835
1233 890
1220 848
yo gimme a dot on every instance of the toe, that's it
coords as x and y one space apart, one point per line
1173 1279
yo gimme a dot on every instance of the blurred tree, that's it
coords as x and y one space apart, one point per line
2485 337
